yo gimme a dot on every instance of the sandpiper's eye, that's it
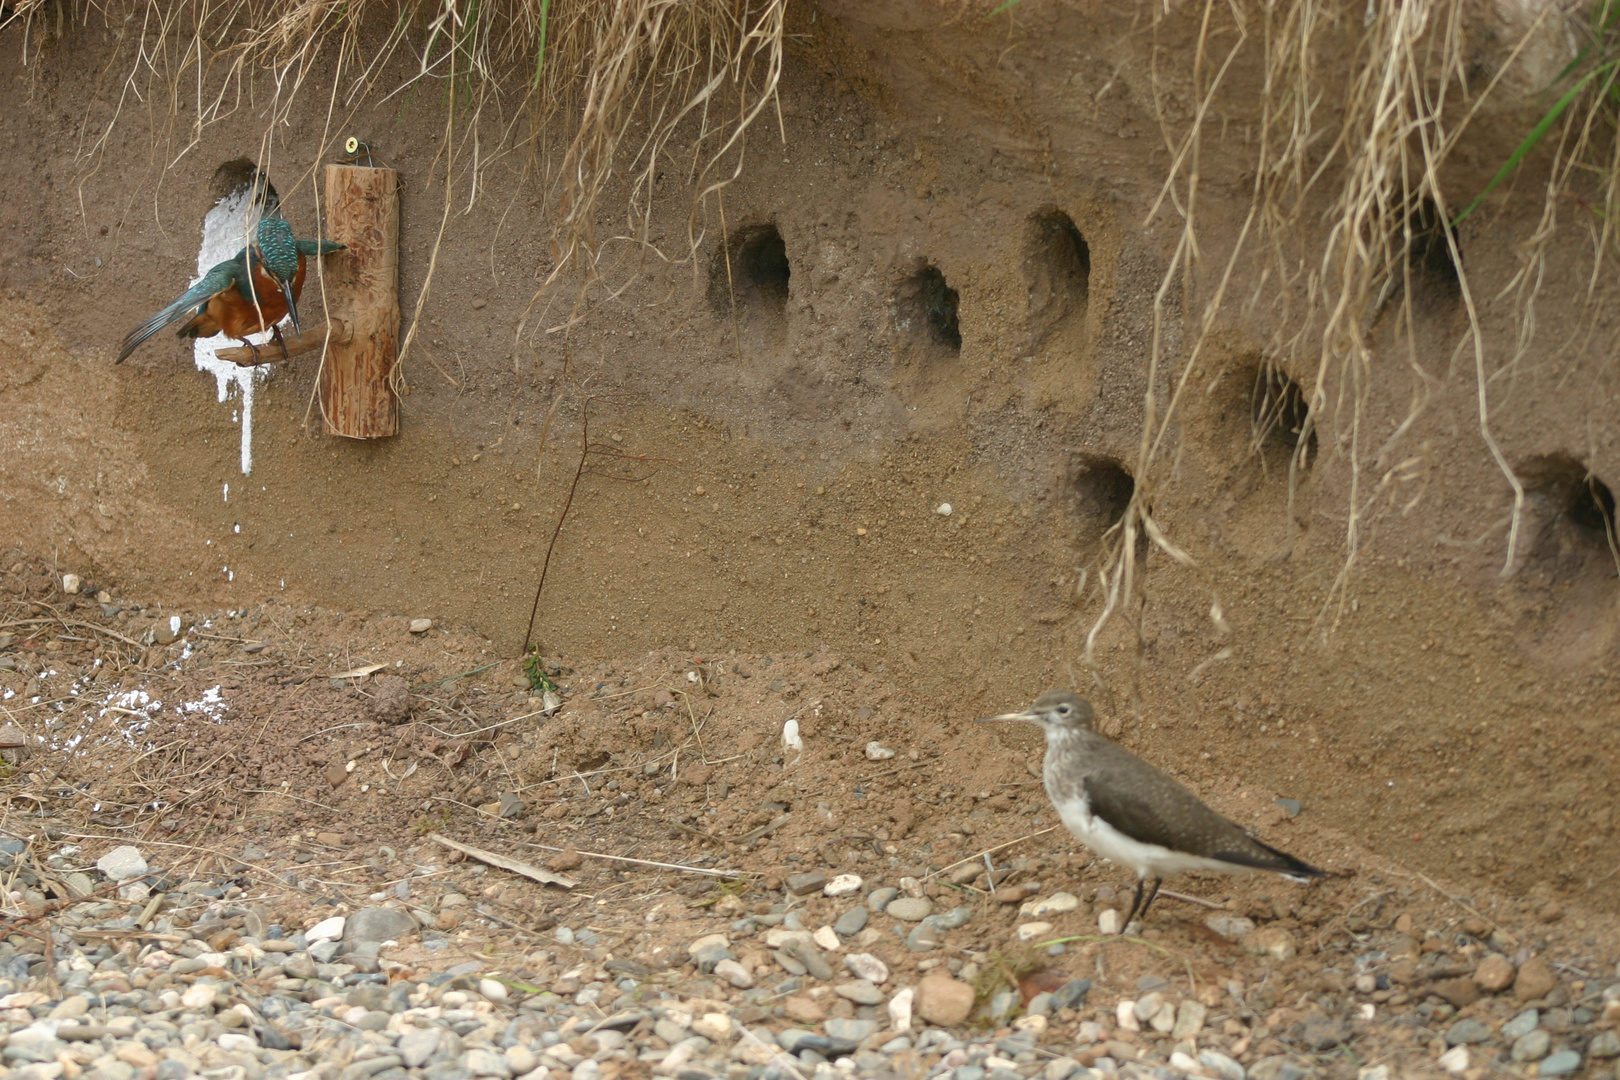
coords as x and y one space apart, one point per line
1064 709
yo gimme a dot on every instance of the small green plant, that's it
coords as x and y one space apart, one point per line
535 669
428 823
1600 60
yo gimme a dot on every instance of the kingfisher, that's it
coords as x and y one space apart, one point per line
1126 810
248 293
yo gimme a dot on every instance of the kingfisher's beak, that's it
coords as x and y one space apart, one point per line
292 306
1025 716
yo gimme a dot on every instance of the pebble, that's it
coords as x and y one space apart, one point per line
1605 1044
1467 1030
842 885
420 626
1522 1024
1110 922
1056 904
861 992
942 999
1273 941
868 967
1031 930
1535 980
827 938
876 751
326 930
1560 1064
909 908
735 974
1221 1065
900 1009
806 883
880 899
1454 1060
122 863
1531 1046
851 922
1495 973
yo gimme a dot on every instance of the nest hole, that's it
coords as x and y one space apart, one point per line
1428 255
925 309
1059 263
1278 415
1102 490
1573 498
751 273
241 174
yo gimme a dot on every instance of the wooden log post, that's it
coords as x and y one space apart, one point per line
362 205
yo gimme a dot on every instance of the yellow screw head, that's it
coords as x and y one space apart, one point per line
352 145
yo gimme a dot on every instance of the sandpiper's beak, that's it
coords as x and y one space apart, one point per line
1027 716
292 306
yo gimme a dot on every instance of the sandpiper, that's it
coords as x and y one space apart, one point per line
1124 809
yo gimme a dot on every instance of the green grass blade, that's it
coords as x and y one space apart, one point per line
1002 8
1532 140
540 61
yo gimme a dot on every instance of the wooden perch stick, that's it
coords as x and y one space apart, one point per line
312 340
357 401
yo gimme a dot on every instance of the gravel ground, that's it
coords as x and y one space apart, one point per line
204 979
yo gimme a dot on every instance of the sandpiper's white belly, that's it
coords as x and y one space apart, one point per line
1148 860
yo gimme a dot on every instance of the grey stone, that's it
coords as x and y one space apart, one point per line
879 899
1522 1024
417 1046
814 961
359 1070
1560 1064
122 863
1003 1004
854 1031
909 908
378 924
1467 1031
324 952
1039 1005
1221 1065
861 992
851 922
484 1062
806 883
1531 1046
1072 994
1605 1044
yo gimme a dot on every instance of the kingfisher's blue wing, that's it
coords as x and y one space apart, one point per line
223 276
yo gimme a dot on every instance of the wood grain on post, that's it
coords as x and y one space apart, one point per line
362 206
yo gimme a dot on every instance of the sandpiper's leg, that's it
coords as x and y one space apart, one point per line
1136 902
1153 894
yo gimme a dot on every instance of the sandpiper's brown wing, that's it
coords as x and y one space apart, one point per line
1151 808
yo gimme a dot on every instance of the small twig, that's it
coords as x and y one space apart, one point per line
766 829
1199 900
545 877
585 445
987 851
648 862
452 678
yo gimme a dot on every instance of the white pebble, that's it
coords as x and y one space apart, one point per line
866 966
1184 1064
1454 1060
734 973
492 989
198 996
876 751
943 509
827 938
1055 904
325 930
713 1026
899 1007
421 626
790 736
842 885
1035 1024
71 583
1125 1013
1031 930
1109 922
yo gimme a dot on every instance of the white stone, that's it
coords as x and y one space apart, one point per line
866 966
911 887
1230 927
1125 1013
1454 1060
714 1026
421 626
876 751
235 1041
326 930
734 973
775 938
198 996
1056 904
71 583
1109 922
900 1009
1035 1025
1030 930
1373 1072
122 863
943 509
790 736
493 990
827 938
842 885
1222 1066
1184 1064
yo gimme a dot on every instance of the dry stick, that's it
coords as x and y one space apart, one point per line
584 448
987 851
648 862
